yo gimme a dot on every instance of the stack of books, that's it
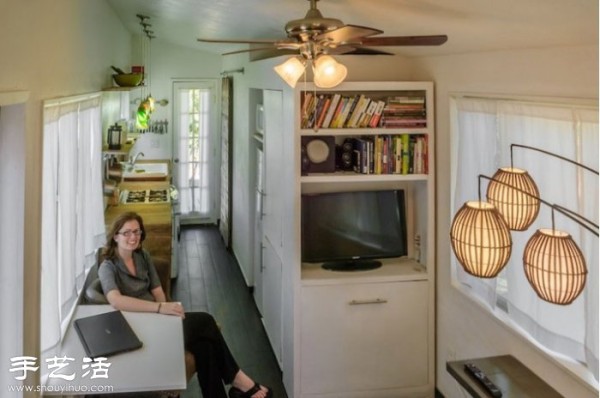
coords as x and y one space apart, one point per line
404 112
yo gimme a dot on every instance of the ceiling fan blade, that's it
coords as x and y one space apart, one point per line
241 41
248 50
347 33
277 46
405 40
273 53
361 51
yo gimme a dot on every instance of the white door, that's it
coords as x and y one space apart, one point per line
258 229
364 336
273 142
272 220
195 154
272 298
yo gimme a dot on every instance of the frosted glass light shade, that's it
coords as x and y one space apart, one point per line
519 208
328 72
480 239
291 70
554 266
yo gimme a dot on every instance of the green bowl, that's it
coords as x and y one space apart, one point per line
128 79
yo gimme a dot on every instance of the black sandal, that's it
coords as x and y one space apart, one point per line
235 392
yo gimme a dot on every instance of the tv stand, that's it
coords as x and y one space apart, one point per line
352 265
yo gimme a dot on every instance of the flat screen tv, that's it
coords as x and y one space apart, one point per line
350 231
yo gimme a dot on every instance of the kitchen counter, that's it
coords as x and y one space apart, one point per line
154 214
157 223
116 171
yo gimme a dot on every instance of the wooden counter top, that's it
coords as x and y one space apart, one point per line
152 213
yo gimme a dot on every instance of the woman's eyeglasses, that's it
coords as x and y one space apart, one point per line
128 233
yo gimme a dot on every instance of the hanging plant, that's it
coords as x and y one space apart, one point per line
143 113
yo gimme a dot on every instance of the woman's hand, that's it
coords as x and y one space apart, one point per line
172 308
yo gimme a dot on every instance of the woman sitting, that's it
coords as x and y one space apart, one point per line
130 283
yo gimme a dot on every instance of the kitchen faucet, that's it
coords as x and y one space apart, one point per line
128 166
134 159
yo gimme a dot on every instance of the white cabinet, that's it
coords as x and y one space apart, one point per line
273 147
364 337
271 297
269 279
367 333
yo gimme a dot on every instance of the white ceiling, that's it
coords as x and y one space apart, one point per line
471 25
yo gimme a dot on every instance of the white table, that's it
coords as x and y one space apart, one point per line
158 365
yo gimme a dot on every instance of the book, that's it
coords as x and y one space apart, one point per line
331 110
368 114
323 112
405 153
357 111
397 154
338 112
348 109
377 114
317 109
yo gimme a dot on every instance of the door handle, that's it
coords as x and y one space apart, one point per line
363 302
262 258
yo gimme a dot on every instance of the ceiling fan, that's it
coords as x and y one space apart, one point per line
315 35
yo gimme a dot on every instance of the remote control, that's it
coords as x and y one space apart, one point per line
483 379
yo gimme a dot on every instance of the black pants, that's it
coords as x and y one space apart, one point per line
214 363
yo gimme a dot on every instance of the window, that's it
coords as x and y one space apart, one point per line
72 210
483 130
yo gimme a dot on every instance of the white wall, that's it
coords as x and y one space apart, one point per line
463 327
169 63
52 49
12 181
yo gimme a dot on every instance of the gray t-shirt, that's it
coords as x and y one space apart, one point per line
114 275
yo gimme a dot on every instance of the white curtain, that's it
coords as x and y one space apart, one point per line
485 130
194 151
72 211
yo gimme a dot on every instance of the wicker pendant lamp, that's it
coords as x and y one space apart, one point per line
480 236
480 239
516 196
554 266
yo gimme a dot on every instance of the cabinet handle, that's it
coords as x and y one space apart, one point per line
373 301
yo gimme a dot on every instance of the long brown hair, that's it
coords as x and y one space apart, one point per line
110 248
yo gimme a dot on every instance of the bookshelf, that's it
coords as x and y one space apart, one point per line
390 126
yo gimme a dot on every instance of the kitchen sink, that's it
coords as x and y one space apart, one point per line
147 172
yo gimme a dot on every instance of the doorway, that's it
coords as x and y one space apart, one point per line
195 154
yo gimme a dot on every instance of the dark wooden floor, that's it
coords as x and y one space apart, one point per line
210 280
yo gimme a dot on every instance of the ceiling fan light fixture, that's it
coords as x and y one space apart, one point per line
328 72
291 70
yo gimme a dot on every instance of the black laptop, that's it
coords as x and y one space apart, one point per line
106 334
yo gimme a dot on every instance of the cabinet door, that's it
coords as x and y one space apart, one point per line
272 299
364 337
273 146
